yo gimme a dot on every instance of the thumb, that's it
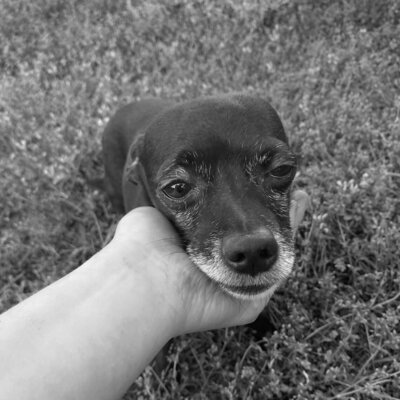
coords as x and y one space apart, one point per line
299 203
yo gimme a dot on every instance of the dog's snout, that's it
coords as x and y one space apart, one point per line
250 254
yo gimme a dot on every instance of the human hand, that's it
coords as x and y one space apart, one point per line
192 301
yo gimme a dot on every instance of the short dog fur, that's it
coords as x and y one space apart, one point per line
220 169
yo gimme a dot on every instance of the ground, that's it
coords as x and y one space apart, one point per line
331 69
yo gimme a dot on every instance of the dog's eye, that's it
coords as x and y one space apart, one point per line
282 171
177 189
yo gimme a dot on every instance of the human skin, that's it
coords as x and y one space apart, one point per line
91 333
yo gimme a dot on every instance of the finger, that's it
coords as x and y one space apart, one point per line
147 221
299 203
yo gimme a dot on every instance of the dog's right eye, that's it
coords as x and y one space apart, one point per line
282 171
177 189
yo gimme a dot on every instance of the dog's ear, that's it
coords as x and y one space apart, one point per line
132 168
135 186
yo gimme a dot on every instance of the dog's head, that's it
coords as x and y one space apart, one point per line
221 170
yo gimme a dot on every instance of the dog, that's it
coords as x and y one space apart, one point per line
221 170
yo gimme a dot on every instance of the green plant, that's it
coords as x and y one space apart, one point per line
331 70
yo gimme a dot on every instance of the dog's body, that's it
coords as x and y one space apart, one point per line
220 169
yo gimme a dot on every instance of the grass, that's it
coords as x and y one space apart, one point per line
331 69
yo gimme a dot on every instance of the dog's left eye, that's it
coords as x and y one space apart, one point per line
177 189
282 171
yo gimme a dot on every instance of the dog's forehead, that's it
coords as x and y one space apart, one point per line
229 117
212 127
217 149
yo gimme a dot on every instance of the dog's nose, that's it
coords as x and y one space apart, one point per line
250 254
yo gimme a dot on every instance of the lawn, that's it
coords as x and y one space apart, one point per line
330 68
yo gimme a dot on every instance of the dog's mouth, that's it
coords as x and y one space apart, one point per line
245 286
264 286
249 291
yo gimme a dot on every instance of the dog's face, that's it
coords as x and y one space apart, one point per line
220 169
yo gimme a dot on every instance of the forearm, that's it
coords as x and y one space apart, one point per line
90 334
86 336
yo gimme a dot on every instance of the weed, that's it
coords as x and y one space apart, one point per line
332 71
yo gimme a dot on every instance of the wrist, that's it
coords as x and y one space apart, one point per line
154 283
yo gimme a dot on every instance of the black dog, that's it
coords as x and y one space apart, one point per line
221 170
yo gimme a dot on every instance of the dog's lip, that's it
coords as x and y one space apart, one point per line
246 290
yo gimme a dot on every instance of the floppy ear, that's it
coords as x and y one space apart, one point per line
135 186
132 163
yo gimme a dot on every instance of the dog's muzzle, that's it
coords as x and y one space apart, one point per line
248 266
